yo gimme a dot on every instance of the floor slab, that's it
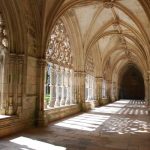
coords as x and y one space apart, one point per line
122 125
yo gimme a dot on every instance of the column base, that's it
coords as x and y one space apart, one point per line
42 120
149 111
62 102
67 102
10 110
2 111
83 107
57 103
19 110
100 102
52 103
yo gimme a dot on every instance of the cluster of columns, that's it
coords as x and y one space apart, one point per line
3 51
80 88
60 86
90 87
11 75
110 90
104 87
61 90
99 81
147 89
11 71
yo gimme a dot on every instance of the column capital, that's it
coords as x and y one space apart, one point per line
67 70
80 73
62 68
42 62
99 79
148 75
21 58
12 57
108 81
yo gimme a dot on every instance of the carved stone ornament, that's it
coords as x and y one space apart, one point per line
3 34
108 3
59 49
89 66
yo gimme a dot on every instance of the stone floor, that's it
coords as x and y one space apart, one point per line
122 125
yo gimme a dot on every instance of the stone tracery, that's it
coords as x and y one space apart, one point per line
59 49
59 73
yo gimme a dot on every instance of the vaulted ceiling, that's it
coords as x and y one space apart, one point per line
117 32
118 29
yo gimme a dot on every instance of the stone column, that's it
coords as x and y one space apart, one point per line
62 101
41 118
14 96
108 83
148 92
52 85
80 89
99 81
74 100
3 70
71 87
57 102
89 84
45 86
113 91
13 75
93 88
146 89
67 102
20 84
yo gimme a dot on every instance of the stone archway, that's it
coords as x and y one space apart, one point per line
132 84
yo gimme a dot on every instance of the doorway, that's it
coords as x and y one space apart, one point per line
132 85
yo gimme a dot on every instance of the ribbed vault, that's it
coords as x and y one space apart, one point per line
114 29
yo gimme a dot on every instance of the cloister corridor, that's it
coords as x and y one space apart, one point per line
122 125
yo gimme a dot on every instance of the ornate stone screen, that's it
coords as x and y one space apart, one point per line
59 72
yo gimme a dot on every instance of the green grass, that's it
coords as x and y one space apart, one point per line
47 98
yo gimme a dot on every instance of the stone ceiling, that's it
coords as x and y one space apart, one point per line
120 29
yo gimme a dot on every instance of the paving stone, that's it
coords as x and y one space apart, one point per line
103 128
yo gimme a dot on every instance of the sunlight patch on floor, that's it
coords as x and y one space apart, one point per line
34 144
125 125
86 122
4 116
122 101
105 109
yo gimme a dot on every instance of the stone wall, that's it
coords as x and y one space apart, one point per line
91 104
61 112
25 116
29 104
105 101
